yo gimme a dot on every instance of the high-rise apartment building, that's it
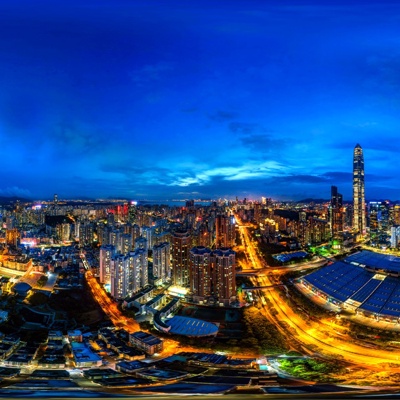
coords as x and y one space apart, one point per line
396 214
359 223
86 233
13 237
141 243
395 236
181 245
132 212
129 273
125 244
212 274
201 282
161 261
257 213
106 254
224 231
224 267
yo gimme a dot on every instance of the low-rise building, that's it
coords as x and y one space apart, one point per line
140 298
22 357
146 342
6 349
131 367
75 336
83 356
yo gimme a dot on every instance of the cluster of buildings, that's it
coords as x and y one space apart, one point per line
135 246
194 254
296 225
60 350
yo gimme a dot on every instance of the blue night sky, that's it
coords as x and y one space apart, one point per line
165 99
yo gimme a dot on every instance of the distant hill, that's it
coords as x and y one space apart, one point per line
5 200
310 200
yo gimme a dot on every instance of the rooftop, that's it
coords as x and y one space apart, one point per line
352 282
191 326
83 353
373 260
146 338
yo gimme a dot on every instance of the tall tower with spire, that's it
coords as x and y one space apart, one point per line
359 224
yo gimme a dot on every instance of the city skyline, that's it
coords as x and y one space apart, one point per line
144 100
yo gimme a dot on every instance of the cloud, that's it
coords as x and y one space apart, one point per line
223 116
299 179
228 173
145 175
257 138
383 72
263 142
74 139
328 178
243 127
338 176
150 73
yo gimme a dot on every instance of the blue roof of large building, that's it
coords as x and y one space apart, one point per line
191 326
339 280
21 287
373 260
352 280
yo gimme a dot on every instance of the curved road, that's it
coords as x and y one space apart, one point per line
313 335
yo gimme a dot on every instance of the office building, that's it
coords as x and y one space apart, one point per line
336 212
359 223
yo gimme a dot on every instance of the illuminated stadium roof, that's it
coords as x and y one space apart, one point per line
354 285
191 326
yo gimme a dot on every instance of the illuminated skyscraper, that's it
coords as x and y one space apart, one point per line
359 223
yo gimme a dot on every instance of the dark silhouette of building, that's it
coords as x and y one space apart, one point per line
336 212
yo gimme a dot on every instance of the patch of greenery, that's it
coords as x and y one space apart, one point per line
260 334
42 281
302 302
38 299
310 369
